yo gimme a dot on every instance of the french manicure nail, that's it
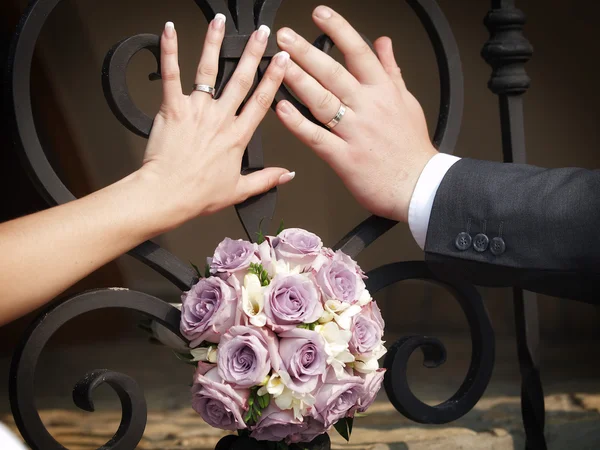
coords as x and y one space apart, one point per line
219 21
286 36
323 12
170 29
282 58
263 33
287 177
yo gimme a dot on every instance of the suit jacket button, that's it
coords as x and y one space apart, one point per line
498 246
481 243
463 241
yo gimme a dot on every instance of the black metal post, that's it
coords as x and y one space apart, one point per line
248 15
507 51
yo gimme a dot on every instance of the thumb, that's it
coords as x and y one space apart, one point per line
262 181
385 53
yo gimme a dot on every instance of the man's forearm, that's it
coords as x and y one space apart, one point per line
532 223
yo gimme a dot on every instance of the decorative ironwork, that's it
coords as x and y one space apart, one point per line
507 51
243 17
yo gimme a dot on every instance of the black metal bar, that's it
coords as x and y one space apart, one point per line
243 16
507 51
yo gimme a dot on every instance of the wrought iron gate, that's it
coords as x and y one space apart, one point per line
506 51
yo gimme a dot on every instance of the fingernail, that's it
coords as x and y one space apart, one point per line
282 58
219 21
284 107
170 29
287 177
323 12
263 33
286 36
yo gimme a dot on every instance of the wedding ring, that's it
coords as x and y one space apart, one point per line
337 118
205 88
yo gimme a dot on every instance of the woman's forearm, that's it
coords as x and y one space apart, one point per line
41 255
191 168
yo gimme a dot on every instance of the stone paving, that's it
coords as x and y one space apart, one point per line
572 386
573 422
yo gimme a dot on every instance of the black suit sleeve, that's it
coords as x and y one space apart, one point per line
499 224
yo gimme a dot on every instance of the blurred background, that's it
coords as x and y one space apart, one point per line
91 149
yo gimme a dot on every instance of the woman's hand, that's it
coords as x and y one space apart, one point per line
195 149
192 167
381 145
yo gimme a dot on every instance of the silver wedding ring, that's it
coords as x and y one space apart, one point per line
337 118
205 88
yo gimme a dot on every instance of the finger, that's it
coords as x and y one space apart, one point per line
360 59
330 73
385 52
321 102
325 144
255 110
208 68
262 181
243 78
169 63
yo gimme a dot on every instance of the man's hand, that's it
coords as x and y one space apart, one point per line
381 145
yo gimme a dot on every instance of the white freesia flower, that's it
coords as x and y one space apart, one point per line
342 312
371 364
282 267
205 354
336 346
365 298
273 386
325 317
253 300
289 399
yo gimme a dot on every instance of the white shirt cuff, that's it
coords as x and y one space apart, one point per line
421 201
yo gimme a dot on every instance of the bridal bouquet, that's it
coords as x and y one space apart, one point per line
286 339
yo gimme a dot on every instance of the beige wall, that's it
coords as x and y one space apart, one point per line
561 114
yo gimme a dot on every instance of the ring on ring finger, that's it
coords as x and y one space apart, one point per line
338 117
205 88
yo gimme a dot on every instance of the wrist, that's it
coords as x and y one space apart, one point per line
159 207
408 186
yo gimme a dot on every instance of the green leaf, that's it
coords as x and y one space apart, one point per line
206 271
350 421
264 400
309 326
248 415
186 358
251 401
282 446
343 428
196 269
280 229
261 237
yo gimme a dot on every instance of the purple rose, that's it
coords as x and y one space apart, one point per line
278 425
233 256
246 355
304 358
291 300
297 246
366 333
337 399
341 279
313 429
208 310
370 389
218 403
